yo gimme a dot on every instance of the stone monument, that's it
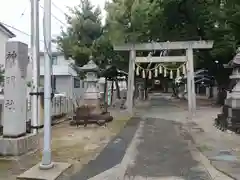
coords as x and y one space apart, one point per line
230 117
15 141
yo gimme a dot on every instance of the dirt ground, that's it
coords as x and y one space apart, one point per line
69 144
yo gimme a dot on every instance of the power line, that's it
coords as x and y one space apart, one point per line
23 13
56 18
59 8
20 31
52 14
12 27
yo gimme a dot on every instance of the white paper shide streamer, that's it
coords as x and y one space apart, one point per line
160 69
150 74
143 74
165 72
171 74
184 69
178 73
156 72
137 71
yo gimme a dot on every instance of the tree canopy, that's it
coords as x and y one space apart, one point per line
86 36
84 29
154 20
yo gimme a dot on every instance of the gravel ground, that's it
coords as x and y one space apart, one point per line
69 144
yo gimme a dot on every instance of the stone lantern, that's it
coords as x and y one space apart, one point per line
91 96
229 119
233 98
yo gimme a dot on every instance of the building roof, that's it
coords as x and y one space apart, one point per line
6 31
57 53
61 70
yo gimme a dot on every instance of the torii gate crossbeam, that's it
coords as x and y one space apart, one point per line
162 59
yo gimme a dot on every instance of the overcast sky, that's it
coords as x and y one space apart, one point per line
16 13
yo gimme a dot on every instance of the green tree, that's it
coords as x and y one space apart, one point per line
2 71
84 30
87 36
163 20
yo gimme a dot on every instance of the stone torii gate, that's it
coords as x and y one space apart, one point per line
179 45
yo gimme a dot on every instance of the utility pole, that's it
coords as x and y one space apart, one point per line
35 62
47 157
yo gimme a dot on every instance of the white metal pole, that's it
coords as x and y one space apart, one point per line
35 62
32 26
33 123
47 159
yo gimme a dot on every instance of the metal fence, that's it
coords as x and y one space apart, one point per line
60 106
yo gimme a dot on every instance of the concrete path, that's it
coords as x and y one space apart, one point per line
164 152
112 154
161 149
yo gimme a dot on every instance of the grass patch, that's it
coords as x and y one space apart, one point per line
204 148
68 147
74 152
116 125
5 165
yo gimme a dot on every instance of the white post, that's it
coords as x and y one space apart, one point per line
47 158
191 76
35 59
15 90
32 25
207 92
131 74
189 87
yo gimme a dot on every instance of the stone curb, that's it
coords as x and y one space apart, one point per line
223 172
204 156
212 170
204 160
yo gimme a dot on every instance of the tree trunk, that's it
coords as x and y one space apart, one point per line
145 88
118 89
175 92
166 86
222 94
105 96
112 93
211 92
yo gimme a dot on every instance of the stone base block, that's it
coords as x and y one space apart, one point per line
229 119
60 171
1 130
18 146
232 102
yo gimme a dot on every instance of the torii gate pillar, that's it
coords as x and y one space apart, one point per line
130 88
190 82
